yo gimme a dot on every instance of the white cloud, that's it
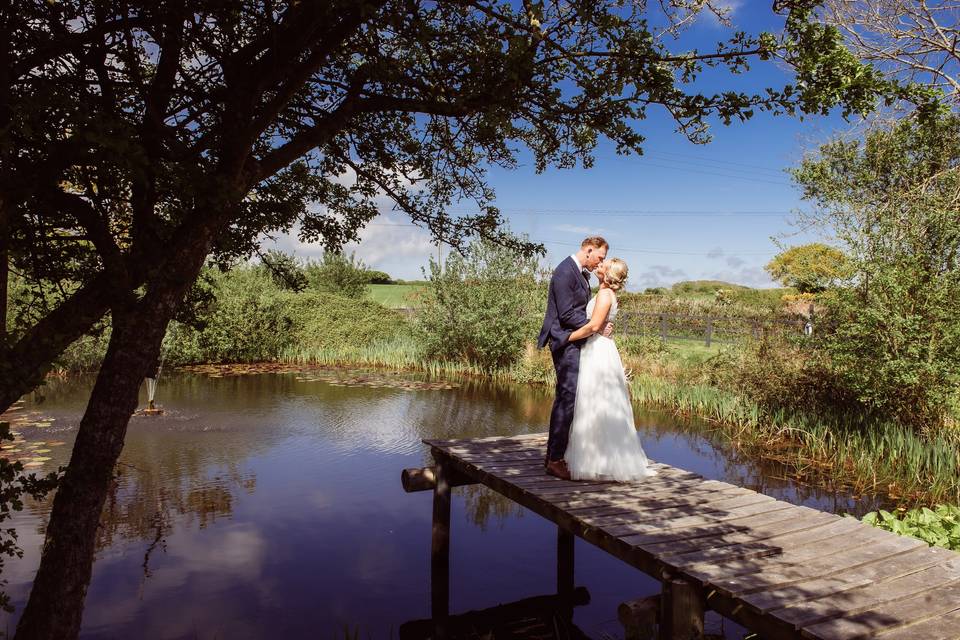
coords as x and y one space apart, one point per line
657 275
727 8
716 253
388 243
384 243
734 262
748 275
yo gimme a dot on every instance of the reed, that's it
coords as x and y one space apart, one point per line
819 446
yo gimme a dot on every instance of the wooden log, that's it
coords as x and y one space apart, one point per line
487 622
640 618
682 610
425 479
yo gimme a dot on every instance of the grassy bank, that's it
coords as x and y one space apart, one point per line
766 397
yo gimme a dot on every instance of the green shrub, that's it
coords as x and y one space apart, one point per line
253 319
323 320
338 274
481 307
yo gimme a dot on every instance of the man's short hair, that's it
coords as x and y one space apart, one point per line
596 242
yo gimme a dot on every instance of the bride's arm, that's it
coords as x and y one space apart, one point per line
599 317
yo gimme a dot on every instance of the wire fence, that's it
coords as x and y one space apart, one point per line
706 329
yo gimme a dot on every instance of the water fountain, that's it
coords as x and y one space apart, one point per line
152 409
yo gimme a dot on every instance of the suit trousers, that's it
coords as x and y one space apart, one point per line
566 362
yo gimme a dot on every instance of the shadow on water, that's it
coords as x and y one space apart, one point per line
270 505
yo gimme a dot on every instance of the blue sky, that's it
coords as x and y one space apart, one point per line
681 211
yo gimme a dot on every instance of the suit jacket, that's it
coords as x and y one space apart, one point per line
566 305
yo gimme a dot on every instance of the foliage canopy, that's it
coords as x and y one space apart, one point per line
809 268
892 201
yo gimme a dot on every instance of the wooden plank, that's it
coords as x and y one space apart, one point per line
884 570
812 612
690 491
722 503
763 526
679 518
944 627
710 572
896 614
723 555
785 574
630 508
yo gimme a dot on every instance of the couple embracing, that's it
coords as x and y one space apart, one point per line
592 435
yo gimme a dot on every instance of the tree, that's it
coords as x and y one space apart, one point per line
892 201
809 268
911 39
138 139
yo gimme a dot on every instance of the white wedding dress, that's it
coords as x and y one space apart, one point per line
604 443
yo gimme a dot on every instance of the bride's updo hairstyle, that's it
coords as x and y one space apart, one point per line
616 274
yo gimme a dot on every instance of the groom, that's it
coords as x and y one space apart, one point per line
567 312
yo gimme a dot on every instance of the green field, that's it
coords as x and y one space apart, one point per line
395 295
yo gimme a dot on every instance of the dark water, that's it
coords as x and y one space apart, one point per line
267 506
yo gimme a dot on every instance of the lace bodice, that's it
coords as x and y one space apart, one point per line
613 308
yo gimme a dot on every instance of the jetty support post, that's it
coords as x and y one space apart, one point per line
440 552
565 577
682 610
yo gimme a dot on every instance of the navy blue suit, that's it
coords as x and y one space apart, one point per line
566 312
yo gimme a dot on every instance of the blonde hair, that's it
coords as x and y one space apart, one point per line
594 241
616 274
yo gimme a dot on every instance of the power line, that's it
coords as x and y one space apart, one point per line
755 167
685 168
635 213
670 252
626 249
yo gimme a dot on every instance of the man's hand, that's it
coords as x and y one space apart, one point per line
607 330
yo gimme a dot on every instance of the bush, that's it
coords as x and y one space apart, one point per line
482 306
378 277
338 274
253 320
248 322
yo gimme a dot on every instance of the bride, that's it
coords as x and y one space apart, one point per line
604 444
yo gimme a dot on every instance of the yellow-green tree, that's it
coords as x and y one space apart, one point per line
809 268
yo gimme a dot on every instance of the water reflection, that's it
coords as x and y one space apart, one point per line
270 505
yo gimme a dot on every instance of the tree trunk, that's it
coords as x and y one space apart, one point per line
55 608
56 601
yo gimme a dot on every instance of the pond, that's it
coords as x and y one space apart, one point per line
270 505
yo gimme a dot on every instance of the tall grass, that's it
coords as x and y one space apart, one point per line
405 353
866 456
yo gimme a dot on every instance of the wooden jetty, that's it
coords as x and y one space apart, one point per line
781 570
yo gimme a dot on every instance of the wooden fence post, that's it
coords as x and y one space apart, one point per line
663 327
440 553
709 330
